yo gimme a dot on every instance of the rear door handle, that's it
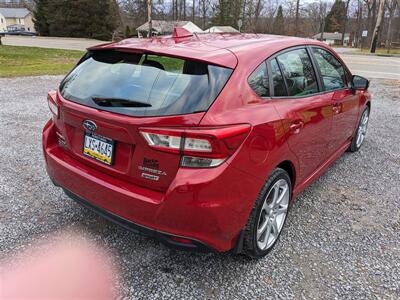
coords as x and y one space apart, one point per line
296 126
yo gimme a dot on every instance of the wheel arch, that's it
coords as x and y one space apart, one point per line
368 103
289 167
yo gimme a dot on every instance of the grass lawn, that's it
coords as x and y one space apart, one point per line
382 51
27 61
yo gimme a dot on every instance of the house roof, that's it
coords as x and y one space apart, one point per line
222 29
14 12
331 35
162 26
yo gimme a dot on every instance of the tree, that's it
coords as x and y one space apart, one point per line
297 17
279 22
345 20
391 5
127 31
336 17
79 18
204 5
377 26
149 18
193 10
228 12
40 17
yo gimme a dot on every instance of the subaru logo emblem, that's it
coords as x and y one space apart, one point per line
89 125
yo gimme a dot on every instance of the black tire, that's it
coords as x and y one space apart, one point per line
353 146
250 246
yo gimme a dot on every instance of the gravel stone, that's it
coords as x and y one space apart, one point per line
341 240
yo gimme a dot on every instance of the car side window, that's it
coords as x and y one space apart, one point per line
277 80
332 71
259 82
299 73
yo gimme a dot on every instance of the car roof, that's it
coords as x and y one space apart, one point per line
224 49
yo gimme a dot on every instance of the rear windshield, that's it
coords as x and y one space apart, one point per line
143 84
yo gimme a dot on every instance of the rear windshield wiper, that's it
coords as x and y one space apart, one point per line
118 102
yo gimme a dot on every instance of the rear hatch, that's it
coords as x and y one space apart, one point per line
113 96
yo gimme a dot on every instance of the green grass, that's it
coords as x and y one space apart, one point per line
170 64
30 61
381 51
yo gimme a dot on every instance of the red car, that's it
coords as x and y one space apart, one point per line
202 141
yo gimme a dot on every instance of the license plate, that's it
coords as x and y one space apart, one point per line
98 147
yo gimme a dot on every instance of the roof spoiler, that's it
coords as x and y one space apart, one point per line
180 32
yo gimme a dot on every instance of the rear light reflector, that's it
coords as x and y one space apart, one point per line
162 141
53 106
200 147
61 140
201 162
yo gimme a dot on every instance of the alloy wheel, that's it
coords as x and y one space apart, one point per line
273 214
362 128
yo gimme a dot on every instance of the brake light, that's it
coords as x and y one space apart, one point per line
52 104
200 147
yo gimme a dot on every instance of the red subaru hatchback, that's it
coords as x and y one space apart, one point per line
202 141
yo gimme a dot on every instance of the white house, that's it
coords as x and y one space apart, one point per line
161 27
218 29
3 25
333 38
16 18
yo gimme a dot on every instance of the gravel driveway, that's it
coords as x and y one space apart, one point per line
342 238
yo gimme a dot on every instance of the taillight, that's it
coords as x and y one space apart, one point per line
52 104
200 147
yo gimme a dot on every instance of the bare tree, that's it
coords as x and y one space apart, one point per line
257 12
149 19
193 10
296 29
377 26
391 5
204 5
345 21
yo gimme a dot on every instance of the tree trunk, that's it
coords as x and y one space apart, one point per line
257 14
377 26
184 10
359 22
345 21
204 14
149 20
193 10
176 10
296 29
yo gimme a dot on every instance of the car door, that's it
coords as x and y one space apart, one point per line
336 82
306 113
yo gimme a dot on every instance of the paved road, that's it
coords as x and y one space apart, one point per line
341 241
373 66
50 42
364 65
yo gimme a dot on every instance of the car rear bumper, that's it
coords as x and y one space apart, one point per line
161 236
209 207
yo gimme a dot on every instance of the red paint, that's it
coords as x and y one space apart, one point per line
210 205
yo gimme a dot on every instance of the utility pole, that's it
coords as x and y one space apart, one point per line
149 20
377 26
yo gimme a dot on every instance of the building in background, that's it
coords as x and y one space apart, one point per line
16 19
3 26
161 27
220 29
333 38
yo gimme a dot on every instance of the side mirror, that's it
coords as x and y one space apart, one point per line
359 83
